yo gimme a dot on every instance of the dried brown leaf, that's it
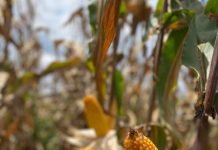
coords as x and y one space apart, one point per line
79 13
12 128
108 27
107 33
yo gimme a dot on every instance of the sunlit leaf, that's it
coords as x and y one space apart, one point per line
207 49
122 8
177 19
28 76
57 65
159 8
211 7
90 65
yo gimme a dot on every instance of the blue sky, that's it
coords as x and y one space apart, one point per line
52 15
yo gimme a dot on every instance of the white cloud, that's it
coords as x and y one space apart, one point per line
53 14
46 59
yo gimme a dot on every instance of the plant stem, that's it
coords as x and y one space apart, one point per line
212 82
114 64
201 141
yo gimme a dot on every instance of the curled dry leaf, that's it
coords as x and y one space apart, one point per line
80 137
84 140
109 142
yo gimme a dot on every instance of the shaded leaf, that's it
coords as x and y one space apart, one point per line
206 29
177 19
176 136
169 67
119 90
193 5
216 103
174 4
92 17
190 51
28 78
44 131
201 30
158 136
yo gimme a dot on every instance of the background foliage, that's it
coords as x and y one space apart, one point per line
136 65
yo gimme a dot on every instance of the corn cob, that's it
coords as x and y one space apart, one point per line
135 140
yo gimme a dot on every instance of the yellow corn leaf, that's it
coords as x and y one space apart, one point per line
95 116
178 25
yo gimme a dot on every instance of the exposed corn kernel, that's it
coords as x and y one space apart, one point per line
137 141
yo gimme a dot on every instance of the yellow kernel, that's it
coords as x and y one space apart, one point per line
137 141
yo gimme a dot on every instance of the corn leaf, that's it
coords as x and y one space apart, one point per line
95 116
